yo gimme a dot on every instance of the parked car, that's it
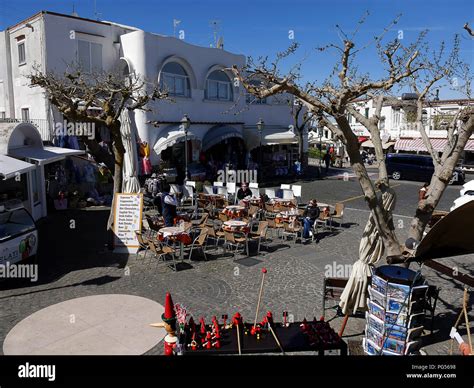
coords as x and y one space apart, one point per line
468 188
416 167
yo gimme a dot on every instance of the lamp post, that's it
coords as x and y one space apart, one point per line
260 126
185 124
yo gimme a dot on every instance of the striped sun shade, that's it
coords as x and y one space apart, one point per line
418 145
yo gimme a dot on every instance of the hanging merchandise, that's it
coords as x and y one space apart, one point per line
73 143
146 164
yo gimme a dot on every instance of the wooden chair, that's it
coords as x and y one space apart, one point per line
295 230
260 234
332 290
253 211
216 235
232 241
200 242
163 249
143 243
273 226
223 217
338 214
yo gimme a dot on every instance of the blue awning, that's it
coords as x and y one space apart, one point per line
219 133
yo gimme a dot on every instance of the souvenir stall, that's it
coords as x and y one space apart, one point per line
245 335
23 160
396 311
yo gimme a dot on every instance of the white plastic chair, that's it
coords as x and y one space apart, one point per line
175 189
255 192
231 190
270 193
188 193
288 194
191 183
222 191
296 192
208 190
253 185
285 187
218 184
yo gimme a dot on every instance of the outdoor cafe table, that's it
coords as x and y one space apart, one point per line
286 215
234 226
255 201
172 233
283 202
234 211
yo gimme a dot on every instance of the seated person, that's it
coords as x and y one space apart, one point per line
169 205
244 191
311 213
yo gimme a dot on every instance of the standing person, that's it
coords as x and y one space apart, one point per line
244 191
327 160
422 194
169 205
311 213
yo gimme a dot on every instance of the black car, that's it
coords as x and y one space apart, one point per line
416 167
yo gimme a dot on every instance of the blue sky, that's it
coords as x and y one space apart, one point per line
261 27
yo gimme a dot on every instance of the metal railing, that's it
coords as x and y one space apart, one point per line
43 125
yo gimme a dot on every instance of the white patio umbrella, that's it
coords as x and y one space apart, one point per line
130 182
371 250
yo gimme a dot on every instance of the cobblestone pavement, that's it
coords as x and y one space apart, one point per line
74 263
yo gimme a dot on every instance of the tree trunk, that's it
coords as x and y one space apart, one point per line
383 220
119 152
438 183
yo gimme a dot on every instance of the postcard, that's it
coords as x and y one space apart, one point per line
398 291
375 323
377 310
397 306
379 284
394 345
377 297
396 319
396 332
374 336
369 348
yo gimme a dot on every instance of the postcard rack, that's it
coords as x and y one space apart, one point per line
395 316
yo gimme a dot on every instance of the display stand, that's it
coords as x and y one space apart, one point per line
395 311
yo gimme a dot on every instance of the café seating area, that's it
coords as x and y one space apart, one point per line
215 224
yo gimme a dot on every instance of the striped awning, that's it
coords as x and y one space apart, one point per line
417 145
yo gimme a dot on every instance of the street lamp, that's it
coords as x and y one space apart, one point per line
260 126
185 124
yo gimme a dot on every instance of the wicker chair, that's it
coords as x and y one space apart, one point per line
200 242
232 241
260 234
294 229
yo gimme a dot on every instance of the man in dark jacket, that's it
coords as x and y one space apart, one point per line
243 192
169 204
311 213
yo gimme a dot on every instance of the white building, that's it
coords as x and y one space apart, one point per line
398 129
219 110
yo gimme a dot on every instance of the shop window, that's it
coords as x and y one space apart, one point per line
175 80
2 116
21 53
218 86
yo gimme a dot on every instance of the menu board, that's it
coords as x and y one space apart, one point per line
127 219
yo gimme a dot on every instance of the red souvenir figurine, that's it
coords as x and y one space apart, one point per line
203 326
224 317
169 318
208 343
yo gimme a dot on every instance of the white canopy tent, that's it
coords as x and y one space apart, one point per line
10 167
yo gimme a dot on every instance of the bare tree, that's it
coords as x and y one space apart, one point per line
75 92
301 119
345 86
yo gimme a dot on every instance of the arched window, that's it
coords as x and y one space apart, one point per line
175 80
219 86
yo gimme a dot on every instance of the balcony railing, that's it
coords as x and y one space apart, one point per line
43 126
